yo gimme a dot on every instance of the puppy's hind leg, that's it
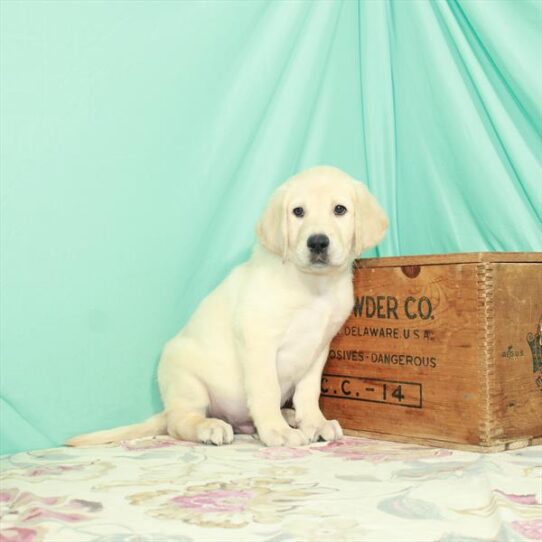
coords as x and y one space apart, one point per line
184 423
186 415
185 397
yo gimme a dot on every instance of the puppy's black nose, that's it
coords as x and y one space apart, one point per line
318 243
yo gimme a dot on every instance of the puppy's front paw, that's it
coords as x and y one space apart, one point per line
282 436
214 431
326 429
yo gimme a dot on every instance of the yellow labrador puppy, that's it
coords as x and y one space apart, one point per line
262 337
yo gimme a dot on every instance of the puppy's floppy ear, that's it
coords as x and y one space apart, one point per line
272 229
371 221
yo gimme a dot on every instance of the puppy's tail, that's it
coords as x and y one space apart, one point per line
156 425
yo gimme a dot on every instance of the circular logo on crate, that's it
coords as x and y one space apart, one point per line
535 344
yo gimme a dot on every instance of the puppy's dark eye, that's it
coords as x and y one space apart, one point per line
299 212
340 210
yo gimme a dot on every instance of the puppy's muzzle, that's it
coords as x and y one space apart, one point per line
318 245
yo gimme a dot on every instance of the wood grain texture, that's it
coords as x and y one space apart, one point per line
420 356
460 257
518 304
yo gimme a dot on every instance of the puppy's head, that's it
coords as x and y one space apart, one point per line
321 219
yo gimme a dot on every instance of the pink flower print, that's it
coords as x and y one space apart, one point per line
17 498
281 453
49 471
37 515
520 499
228 504
142 444
23 508
54 470
18 534
219 500
530 529
377 451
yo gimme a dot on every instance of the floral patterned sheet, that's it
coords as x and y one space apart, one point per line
162 490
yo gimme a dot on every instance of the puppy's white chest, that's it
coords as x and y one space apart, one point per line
310 330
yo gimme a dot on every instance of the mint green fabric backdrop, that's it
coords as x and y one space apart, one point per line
140 141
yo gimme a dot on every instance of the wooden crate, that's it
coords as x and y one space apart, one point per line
441 350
